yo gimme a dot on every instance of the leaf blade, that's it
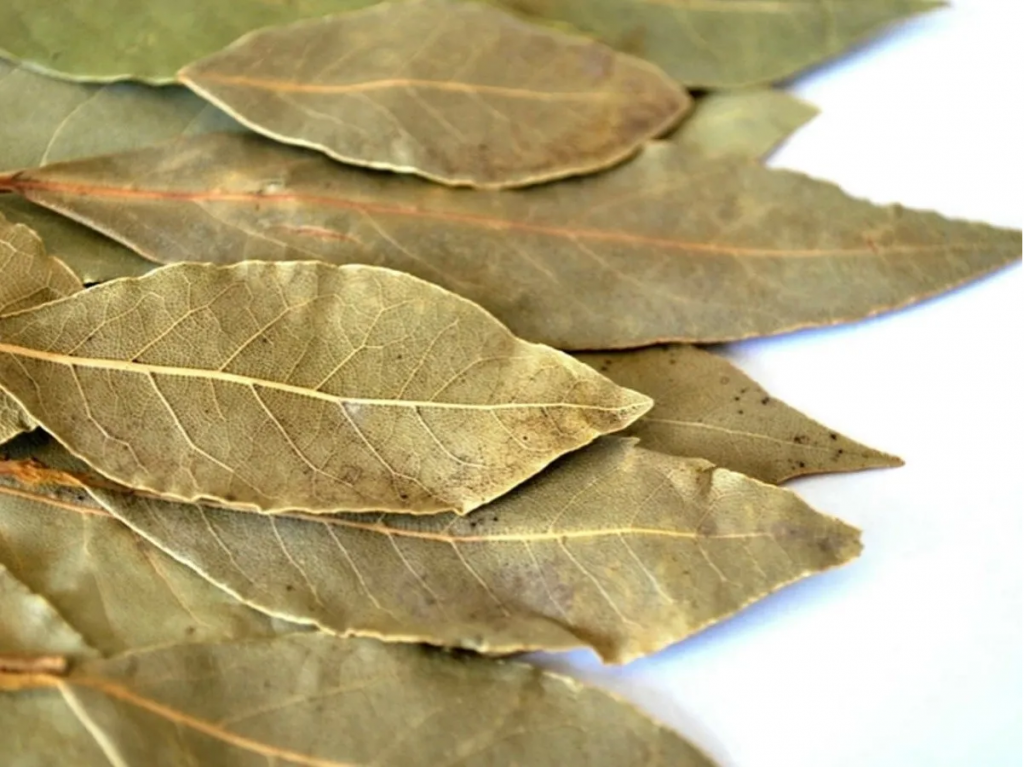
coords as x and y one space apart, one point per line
316 388
561 252
728 43
445 90
705 407
270 700
615 548
31 277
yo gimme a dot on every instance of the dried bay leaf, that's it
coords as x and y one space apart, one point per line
47 120
30 277
302 386
705 407
39 730
313 699
666 247
107 40
91 255
614 547
460 93
727 43
31 626
117 591
744 123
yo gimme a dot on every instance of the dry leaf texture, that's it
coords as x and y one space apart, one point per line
30 277
617 548
705 407
666 247
742 123
105 40
117 591
275 386
247 704
727 43
457 92
47 120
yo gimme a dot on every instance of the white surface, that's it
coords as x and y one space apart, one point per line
912 654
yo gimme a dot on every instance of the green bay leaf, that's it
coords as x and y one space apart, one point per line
727 43
107 40
668 247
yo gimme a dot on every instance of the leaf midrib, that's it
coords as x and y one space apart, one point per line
141 368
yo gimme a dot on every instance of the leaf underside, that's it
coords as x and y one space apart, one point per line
668 247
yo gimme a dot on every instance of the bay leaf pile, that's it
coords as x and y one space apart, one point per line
347 346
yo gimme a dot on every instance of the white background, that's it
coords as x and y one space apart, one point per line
910 655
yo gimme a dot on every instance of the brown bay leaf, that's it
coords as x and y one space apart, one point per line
460 93
705 407
317 700
302 386
750 122
668 247
114 588
727 43
30 277
615 548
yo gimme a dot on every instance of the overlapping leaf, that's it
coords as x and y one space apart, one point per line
105 40
47 120
38 728
30 277
273 386
743 123
268 701
727 43
704 407
457 92
666 247
115 589
615 548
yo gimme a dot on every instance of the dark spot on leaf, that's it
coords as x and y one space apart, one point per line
800 439
190 630
801 464
740 412
833 436
289 587
765 400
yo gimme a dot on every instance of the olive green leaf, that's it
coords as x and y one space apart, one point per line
30 277
47 120
106 40
460 93
744 123
727 43
301 386
615 548
31 626
114 588
90 254
667 247
39 730
705 407
317 700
